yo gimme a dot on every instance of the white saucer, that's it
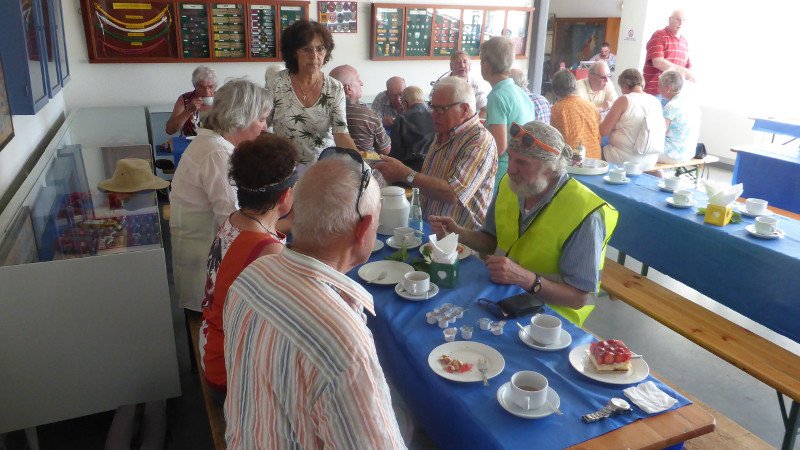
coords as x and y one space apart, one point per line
562 342
537 413
743 210
609 181
671 202
666 189
377 245
434 289
752 230
416 242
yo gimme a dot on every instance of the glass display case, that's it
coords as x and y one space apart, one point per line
84 281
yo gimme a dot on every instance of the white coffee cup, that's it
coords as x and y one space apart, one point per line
631 166
545 329
416 283
528 389
766 225
403 235
756 206
682 197
616 174
672 182
208 101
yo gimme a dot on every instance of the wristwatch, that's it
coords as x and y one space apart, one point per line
537 284
410 177
615 406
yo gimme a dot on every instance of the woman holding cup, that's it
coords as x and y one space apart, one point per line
186 112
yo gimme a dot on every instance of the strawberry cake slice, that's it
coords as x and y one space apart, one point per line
610 356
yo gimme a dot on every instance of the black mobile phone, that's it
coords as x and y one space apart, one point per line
512 307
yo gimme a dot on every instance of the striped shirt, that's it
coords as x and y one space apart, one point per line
663 44
366 129
383 107
467 160
579 122
302 367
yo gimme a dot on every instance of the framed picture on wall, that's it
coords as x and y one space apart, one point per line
339 17
6 126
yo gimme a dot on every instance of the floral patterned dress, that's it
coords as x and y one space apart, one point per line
310 128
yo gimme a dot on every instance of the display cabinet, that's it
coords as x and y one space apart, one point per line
87 322
161 142
33 51
403 31
170 31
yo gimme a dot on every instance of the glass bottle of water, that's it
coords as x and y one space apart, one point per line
415 214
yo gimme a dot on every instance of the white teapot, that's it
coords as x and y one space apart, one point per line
394 209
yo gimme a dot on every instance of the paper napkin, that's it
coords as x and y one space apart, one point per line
445 250
649 397
722 194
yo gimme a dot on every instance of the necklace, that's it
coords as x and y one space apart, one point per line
259 222
305 94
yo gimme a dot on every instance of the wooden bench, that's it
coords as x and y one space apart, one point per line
215 412
698 166
768 362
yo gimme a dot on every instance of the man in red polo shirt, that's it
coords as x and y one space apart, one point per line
666 50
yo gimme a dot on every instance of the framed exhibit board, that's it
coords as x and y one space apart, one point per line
578 39
196 31
402 31
338 16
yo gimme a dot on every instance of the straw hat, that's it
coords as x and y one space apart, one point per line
132 175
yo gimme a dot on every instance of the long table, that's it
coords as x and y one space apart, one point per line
468 415
770 172
755 277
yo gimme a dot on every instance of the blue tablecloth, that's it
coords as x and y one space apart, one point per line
777 127
467 415
770 172
756 277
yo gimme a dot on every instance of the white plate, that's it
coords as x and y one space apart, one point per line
416 242
562 342
610 181
463 250
671 202
743 210
468 352
394 271
579 358
590 167
377 245
434 289
543 411
666 189
752 230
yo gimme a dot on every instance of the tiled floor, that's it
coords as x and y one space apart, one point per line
722 386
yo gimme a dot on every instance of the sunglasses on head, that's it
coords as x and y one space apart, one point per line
528 140
365 171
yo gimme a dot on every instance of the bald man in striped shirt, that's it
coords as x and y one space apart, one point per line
302 367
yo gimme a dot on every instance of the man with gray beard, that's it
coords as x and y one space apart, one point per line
546 231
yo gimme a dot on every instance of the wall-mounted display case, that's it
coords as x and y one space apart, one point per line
403 31
87 322
170 31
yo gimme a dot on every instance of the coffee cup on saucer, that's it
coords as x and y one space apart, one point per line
672 182
682 197
616 175
208 101
528 389
766 225
416 283
632 167
403 235
545 329
756 206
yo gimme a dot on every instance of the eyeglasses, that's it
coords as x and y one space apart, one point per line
443 108
603 77
309 50
365 171
529 140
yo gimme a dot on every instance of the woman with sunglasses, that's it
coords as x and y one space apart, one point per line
264 172
309 106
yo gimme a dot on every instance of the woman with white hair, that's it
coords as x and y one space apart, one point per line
186 112
682 117
201 197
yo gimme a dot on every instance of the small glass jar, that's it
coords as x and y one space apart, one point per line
466 332
497 327
450 334
484 323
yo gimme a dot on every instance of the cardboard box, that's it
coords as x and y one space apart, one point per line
718 215
444 275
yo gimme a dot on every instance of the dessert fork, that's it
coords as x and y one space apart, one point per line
380 276
482 369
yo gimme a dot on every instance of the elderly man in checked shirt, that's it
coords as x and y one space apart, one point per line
302 366
457 177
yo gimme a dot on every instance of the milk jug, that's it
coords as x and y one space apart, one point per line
394 209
